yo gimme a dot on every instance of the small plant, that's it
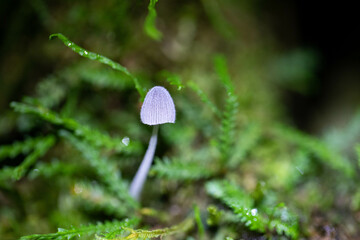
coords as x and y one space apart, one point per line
158 108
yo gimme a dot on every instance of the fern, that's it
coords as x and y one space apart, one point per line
149 26
94 197
184 226
282 221
181 170
105 169
91 135
54 168
278 219
97 57
73 232
315 146
40 146
17 148
228 118
247 140
239 201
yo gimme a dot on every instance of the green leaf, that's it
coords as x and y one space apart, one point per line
200 225
65 234
149 26
148 234
97 57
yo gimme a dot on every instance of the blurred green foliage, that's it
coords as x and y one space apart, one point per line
231 167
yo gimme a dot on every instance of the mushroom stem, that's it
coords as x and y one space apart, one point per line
140 177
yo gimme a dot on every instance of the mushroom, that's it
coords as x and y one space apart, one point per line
158 108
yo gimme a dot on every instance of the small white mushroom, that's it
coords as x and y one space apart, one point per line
158 108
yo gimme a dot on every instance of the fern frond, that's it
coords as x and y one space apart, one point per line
17 148
65 234
176 169
91 135
227 128
246 141
54 168
228 118
222 71
149 26
317 147
105 169
184 226
97 57
282 221
278 218
92 196
239 202
41 146
204 98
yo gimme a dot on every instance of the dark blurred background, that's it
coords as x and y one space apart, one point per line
324 37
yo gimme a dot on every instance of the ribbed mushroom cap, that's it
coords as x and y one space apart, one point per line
158 107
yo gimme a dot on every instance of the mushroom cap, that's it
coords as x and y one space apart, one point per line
158 107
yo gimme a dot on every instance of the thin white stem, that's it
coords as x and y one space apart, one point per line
140 177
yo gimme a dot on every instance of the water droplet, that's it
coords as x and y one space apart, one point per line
69 44
85 52
125 141
254 211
